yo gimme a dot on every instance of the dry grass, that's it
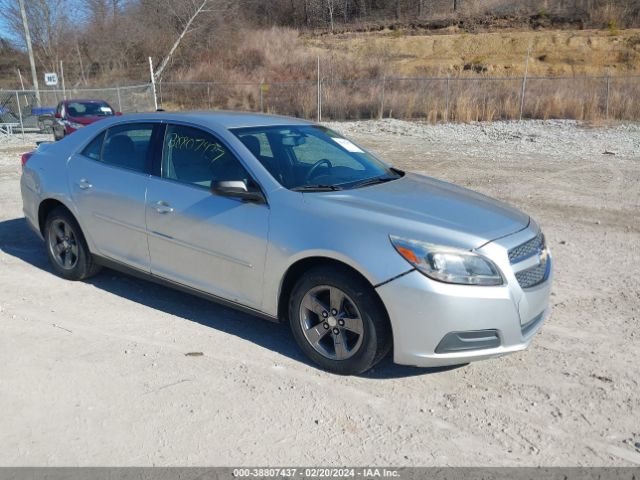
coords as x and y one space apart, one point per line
357 72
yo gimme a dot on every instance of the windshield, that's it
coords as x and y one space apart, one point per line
89 109
312 157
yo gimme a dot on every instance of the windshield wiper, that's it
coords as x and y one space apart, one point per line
316 188
374 181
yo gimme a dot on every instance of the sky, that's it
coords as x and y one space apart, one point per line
74 11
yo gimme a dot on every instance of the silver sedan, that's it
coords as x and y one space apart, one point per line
291 221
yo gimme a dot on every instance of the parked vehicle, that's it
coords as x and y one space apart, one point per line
70 115
290 221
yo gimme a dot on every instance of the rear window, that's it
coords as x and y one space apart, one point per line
88 109
94 148
126 146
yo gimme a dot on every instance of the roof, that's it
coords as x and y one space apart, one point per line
222 118
84 100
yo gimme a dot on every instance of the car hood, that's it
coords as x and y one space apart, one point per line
87 120
430 210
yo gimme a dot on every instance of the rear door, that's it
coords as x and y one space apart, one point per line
211 243
108 181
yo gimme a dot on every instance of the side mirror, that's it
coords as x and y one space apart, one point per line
57 115
237 189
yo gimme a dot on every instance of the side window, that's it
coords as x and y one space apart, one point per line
196 157
127 146
94 148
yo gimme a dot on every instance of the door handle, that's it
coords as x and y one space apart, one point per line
84 184
163 207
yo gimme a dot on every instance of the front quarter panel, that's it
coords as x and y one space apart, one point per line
299 230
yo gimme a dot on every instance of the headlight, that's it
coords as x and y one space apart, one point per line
75 125
446 264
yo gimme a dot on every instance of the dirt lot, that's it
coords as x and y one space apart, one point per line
97 373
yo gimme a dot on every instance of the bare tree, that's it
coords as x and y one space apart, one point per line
330 10
194 9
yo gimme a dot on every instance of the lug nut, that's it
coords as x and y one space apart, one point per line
326 326
334 312
341 322
336 331
325 314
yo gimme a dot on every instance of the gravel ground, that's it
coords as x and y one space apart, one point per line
97 373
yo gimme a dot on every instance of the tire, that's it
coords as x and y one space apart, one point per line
66 246
330 337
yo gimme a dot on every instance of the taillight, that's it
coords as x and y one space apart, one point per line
25 157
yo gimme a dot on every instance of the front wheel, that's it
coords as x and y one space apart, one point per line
338 321
66 247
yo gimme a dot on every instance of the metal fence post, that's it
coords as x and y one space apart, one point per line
446 101
381 113
607 101
20 115
319 103
261 98
524 81
119 99
209 95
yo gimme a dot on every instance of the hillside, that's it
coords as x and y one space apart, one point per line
502 53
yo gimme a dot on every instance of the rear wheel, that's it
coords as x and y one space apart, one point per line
66 247
338 321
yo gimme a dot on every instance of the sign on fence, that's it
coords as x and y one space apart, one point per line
51 79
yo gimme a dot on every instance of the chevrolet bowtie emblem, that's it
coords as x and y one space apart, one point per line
542 256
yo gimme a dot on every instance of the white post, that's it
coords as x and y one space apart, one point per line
153 84
64 90
524 81
319 93
20 115
119 100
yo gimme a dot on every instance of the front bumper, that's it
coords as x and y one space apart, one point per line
428 317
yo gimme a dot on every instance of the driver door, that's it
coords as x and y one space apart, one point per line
212 243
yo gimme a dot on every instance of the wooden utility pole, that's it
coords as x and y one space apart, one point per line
27 39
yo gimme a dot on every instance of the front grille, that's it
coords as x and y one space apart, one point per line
527 249
532 276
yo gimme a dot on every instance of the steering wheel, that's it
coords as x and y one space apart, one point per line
316 166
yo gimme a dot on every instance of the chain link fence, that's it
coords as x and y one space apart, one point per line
443 99
434 99
19 109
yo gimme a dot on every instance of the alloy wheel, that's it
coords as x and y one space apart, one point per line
331 322
63 244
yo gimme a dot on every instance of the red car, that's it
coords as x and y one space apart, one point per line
74 114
